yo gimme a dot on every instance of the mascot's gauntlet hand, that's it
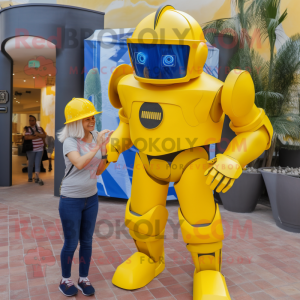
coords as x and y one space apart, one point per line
222 173
112 153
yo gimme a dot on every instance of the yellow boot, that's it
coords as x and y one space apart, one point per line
148 233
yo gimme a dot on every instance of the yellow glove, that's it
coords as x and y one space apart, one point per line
112 153
223 172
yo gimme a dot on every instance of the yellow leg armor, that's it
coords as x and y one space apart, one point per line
146 217
202 231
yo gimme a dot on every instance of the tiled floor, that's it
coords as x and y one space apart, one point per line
18 162
260 261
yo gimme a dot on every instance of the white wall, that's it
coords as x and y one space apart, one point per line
48 110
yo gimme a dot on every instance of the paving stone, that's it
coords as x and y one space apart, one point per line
259 261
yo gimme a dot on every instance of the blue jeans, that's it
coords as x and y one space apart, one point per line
34 159
78 217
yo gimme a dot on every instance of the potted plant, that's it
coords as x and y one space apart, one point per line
277 98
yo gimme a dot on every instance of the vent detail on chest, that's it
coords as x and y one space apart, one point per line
151 115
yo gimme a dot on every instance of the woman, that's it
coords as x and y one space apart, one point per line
85 157
36 134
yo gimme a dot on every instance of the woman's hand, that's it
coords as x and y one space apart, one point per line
103 164
103 146
81 161
101 137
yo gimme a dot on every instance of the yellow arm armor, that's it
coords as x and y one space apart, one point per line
120 139
250 123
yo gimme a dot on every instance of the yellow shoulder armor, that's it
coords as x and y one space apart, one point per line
238 97
237 100
120 72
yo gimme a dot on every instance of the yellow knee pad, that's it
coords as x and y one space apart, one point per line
200 234
152 223
148 230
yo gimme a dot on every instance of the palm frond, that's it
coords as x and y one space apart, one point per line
251 61
274 95
268 100
282 17
219 26
287 64
286 70
272 8
266 16
286 128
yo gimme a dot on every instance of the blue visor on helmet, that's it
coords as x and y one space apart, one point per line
157 61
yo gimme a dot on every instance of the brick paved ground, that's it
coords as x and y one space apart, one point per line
261 262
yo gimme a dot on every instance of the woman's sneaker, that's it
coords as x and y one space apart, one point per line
68 288
86 287
29 179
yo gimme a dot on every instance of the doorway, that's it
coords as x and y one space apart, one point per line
34 77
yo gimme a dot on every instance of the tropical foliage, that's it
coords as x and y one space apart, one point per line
276 80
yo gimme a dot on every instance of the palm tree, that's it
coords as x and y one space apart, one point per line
275 95
237 26
275 79
266 15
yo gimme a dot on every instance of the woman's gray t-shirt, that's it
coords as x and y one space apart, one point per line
80 183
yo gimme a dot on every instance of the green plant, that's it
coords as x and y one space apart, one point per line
275 95
237 26
266 14
275 79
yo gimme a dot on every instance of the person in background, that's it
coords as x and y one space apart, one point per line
84 151
50 147
36 134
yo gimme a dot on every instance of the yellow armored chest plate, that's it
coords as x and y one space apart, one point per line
166 119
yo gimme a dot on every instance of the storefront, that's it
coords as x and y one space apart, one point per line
66 27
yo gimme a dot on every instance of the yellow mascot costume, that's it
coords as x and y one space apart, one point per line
170 109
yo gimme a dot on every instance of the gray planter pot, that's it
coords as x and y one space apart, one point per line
284 195
244 194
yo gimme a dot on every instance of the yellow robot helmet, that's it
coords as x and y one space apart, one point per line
78 109
171 32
